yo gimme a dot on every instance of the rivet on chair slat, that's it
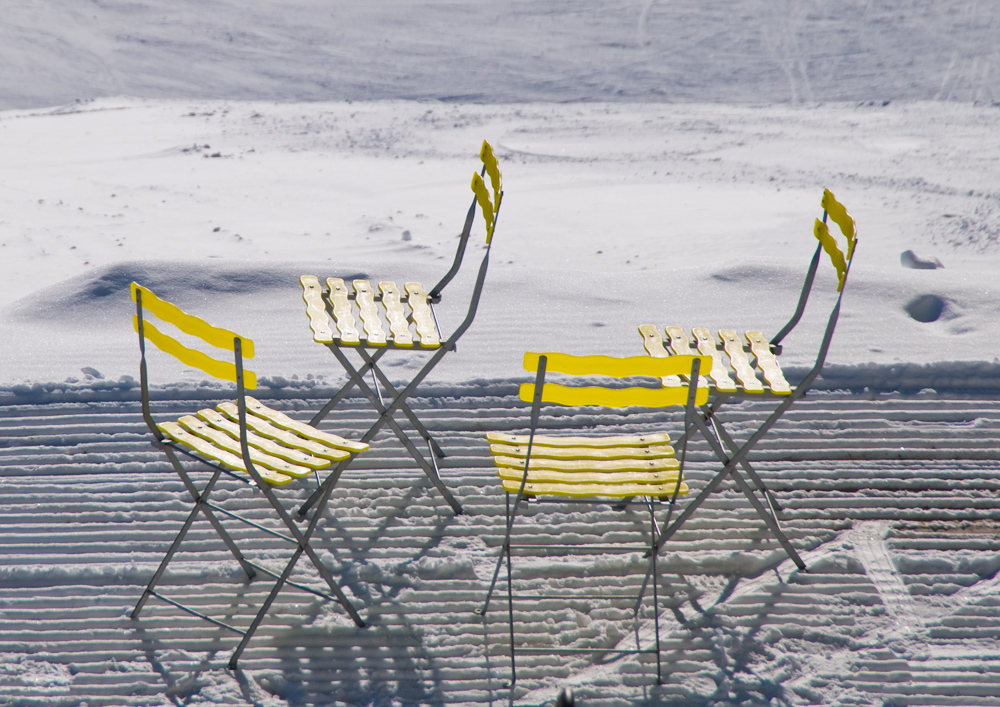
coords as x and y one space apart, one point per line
365 297
342 313
767 363
312 293
707 347
422 315
739 361
399 327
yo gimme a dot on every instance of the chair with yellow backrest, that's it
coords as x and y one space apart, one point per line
392 329
619 469
746 359
244 439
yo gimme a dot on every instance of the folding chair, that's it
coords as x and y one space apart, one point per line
377 337
583 469
747 385
264 446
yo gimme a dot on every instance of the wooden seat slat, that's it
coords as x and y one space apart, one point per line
222 440
767 363
659 451
267 445
342 313
653 343
312 293
285 437
283 421
595 442
423 317
365 297
681 346
592 490
609 465
209 451
733 347
718 374
590 477
399 327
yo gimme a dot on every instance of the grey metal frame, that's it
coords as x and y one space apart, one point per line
652 549
356 375
734 456
203 506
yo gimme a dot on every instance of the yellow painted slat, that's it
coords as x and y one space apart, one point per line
593 442
614 366
365 297
589 477
656 451
286 437
738 359
485 205
209 451
681 346
767 363
592 490
269 446
192 357
836 211
612 397
189 324
312 295
282 420
225 442
595 465
822 234
493 170
653 343
423 317
343 315
399 327
707 347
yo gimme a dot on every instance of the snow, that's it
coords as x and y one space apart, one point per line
663 163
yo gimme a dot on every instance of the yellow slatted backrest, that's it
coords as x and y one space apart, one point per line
617 368
838 214
490 207
199 328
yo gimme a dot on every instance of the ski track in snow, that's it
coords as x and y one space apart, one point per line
892 502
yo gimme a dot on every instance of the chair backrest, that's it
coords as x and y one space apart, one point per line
835 211
614 367
489 205
146 302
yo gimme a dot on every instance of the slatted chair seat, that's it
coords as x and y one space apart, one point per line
384 319
366 322
595 469
264 446
753 371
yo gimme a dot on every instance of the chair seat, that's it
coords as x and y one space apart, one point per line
389 326
618 466
281 448
726 341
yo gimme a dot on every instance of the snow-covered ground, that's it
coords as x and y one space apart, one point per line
174 146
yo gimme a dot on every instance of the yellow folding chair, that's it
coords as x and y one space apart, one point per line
391 328
754 366
244 439
585 469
